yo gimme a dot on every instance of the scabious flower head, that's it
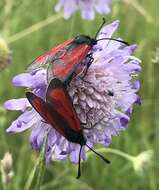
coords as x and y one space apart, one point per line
104 103
86 7
5 57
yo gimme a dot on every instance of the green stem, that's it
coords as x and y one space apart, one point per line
31 176
34 28
41 166
4 186
56 180
140 9
114 151
7 14
38 170
71 27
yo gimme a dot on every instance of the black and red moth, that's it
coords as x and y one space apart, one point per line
64 59
58 111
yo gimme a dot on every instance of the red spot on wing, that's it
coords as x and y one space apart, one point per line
57 93
43 59
69 62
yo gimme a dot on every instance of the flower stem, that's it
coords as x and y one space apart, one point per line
4 186
34 28
31 177
56 181
140 9
41 165
71 26
7 13
114 151
38 170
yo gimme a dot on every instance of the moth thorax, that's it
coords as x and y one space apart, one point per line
83 39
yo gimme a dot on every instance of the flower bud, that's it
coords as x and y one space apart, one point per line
5 57
143 161
155 56
6 166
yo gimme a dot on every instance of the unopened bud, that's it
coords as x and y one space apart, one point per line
6 166
143 161
5 56
155 56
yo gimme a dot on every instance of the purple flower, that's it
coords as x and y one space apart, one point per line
86 6
104 104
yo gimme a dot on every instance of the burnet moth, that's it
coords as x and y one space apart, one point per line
63 60
58 111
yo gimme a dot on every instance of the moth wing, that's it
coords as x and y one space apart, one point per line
57 94
48 56
47 112
68 66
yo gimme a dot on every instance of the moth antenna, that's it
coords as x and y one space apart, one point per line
79 164
121 41
102 157
104 21
113 39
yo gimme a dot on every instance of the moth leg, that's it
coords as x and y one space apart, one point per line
82 78
87 128
44 121
79 164
69 79
91 59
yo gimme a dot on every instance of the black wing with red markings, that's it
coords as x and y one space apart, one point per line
47 112
57 92
66 68
58 111
50 55
64 59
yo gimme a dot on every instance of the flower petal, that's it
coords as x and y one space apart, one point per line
17 104
59 5
69 8
103 6
24 121
35 80
87 10
106 32
74 155
85 6
37 134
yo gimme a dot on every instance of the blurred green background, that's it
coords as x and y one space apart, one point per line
139 24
